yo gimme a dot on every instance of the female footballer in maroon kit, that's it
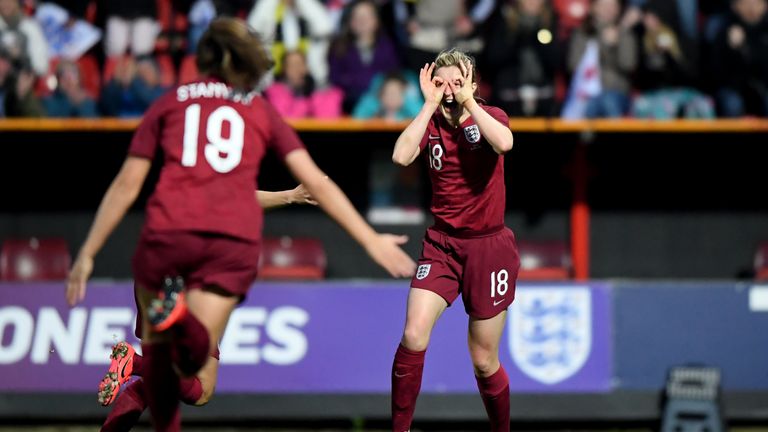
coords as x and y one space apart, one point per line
468 251
203 223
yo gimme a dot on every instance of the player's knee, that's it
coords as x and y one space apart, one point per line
486 363
207 395
415 338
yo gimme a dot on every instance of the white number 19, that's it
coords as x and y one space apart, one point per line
231 148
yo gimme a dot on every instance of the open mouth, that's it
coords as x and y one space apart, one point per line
449 103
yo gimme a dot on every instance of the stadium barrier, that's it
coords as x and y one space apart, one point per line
573 351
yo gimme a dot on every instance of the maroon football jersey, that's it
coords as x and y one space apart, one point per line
468 192
212 140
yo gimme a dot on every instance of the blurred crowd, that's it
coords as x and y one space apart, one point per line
658 59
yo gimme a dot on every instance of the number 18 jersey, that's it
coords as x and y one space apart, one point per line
467 176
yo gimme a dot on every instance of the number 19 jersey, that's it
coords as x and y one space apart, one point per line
211 140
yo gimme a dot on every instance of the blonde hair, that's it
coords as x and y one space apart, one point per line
455 57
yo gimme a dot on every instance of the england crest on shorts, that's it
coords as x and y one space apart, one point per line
472 133
550 332
423 271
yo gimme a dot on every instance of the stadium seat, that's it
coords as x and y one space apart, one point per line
34 259
571 13
544 260
292 258
167 71
761 262
90 75
110 64
188 70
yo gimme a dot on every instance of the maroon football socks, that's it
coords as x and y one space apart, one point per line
127 408
162 387
495 393
406 383
192 344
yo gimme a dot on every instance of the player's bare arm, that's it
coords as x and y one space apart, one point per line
273 200
384 249
407 145
498 135
120 196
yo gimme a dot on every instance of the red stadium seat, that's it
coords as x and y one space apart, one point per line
33 259
571 13
90 75
292 258
761 262
544 260
167 71
110 64
188 70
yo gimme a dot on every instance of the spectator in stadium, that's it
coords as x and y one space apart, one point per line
134 87
522 57
22 37
392 96
131 25
740 60
295 95
292 25
468 251
17 98
665 76
679 16
360 51
70 98
435 25
197 255
617 49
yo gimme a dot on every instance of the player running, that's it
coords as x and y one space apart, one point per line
198 251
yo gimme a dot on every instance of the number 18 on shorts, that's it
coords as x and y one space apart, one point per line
483 270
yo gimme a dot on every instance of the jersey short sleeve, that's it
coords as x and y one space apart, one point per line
498 114
283 139
146 139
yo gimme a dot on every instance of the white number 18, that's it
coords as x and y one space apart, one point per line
499 283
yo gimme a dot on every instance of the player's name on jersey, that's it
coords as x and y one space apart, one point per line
209 90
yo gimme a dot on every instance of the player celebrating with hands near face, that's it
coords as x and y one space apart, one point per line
468 250
203 225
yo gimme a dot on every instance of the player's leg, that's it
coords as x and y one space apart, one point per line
127 409
424 308
490 274
131 403
492 380
160 379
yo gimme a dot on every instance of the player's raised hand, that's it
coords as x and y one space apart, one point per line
431 88
78 276
466 91
385 251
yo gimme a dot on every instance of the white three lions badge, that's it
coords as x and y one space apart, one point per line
472 133
423 271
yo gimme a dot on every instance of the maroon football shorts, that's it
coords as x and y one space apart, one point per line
482 269
202 259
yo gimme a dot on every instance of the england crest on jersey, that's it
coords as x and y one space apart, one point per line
550 332
472 133
423 271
